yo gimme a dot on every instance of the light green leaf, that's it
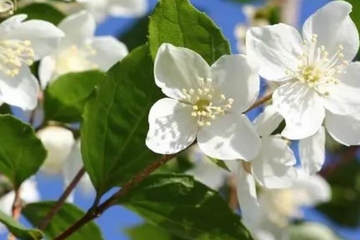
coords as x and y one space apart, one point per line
18 230
115 122
185 207
179 23
42 11
21 152
67 215
65 97
219 163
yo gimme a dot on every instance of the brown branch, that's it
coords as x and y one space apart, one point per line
60 202
97 211
260 101
16 210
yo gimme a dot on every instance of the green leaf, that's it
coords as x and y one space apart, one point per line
42 11
115 122
179 23
21 152
137 34
67 215
18 230
219 163
65 97
185 207
147 231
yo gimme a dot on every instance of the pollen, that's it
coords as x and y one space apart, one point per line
207 102
13 54
316 65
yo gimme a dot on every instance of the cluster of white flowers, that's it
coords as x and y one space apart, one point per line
316 89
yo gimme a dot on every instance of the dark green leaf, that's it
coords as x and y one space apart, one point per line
147 231
67 215
185 207
219 163
136 35
115 122
66 97
179 23
21 152
42 11
18 230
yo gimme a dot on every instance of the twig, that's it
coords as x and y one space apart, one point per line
16 210
97 211
60 202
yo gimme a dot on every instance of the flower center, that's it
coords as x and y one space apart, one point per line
74 59
14 53
208 103
315 66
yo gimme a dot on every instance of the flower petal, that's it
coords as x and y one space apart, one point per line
128 8
108 51
84 30
333 28
47 67
312 152
274 165
44 37
178 68
343 98
229 137
277 47
172 128
236 78
344 129
246 193
267 121
21 90
301 108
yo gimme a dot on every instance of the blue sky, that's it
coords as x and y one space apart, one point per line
226 14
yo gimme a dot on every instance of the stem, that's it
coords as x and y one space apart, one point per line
97 211
260 101
60 202
16 210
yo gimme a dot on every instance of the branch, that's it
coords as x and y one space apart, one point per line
60 202
97 211
16 210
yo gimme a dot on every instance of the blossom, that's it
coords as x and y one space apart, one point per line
63 155
317 80
116 8
21 44
203 103
80 50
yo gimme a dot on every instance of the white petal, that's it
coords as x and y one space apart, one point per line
171 127
108 51
58 142
312 152
229 137
47 68
128 8
236 78
301 108
83 31
344 129
12 22
21 90
311 190
267 121
29 192
274 166
178 68
246 193
343 98
334 27
277 47
43 36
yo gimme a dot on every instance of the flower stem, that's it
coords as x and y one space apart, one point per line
60 202
16 210
97 211
260 101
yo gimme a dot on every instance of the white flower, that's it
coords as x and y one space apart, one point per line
317 80
21 44
204 103
80 50
28 194
63 155
116 8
